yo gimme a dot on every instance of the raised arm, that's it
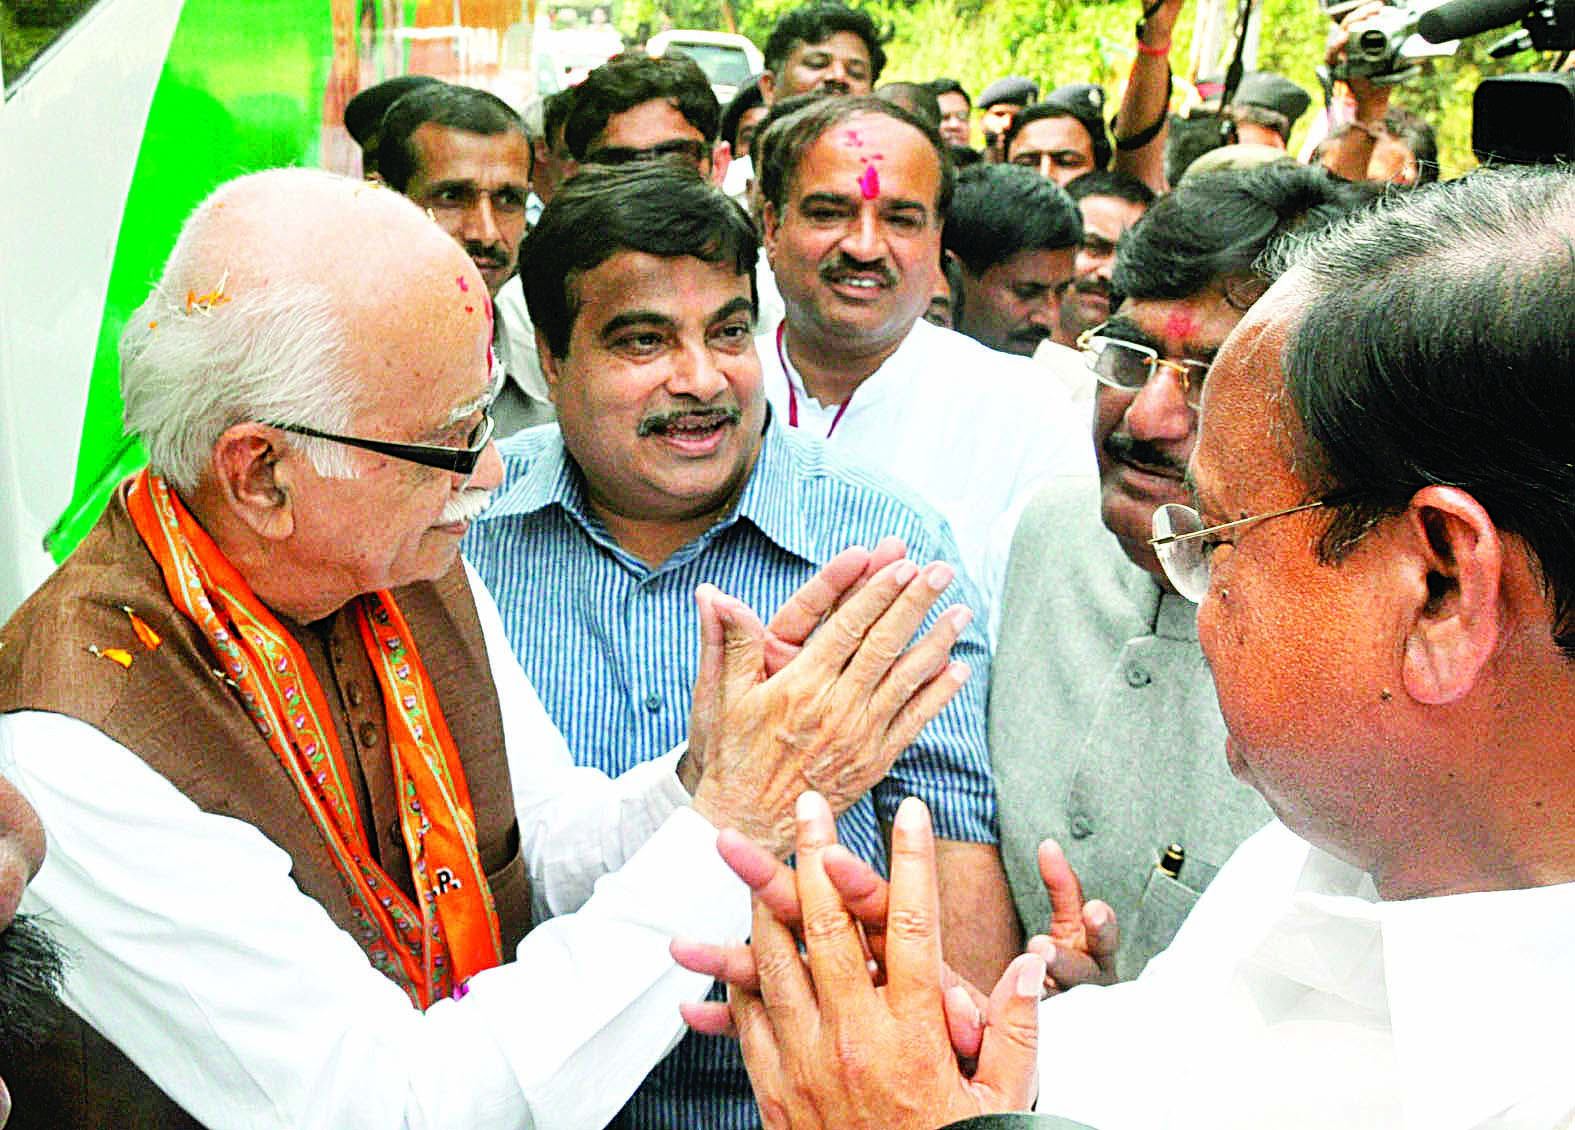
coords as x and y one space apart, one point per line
1142 123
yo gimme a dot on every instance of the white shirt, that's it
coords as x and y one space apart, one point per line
195 953
515 346
1078 380
969 429
1293 997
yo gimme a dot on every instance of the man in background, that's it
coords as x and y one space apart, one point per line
1109 203
1015 236
855 194
462 154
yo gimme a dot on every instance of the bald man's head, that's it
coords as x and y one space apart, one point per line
284 291
311 374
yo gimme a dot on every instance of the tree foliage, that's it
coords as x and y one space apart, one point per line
1062 41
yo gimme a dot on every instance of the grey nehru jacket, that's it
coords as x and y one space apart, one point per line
1104 729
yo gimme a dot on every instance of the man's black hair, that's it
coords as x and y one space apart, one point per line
1216 226
1108 182
940 86
31 969
452 107
816 23
664 209
1190 137
1435 346
914 96
632 79
1411 130
1098 136
783 144
999 211
555 114
748 98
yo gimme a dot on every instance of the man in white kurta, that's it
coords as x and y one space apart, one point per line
854 199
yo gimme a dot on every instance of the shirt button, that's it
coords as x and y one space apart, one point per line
653 702
337 651
353 693
1082 827
368 734
1138 676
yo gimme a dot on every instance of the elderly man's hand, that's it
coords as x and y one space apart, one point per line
826 1046
834 716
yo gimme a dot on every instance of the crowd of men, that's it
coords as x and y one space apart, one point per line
1155 560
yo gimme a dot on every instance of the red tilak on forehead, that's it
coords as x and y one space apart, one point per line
869 183
1180 326
851 137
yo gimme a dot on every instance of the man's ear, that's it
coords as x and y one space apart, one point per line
1457 562
770 225
721 158
254 480
549 365
768 88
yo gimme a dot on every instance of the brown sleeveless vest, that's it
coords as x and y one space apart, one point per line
171 710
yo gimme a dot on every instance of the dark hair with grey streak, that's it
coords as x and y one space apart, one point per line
452 107
31 970
1216 226
1436 347
664 209
783 144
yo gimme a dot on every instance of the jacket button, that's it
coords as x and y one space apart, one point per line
1082 827
368 734
354 694
1138 676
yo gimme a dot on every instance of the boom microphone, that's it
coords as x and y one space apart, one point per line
1460 19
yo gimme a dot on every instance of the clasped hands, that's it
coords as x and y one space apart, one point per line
868 1026
824 697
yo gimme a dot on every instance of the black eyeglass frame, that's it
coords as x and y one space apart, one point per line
456 460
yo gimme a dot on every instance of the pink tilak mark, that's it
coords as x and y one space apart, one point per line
869 183
1180 326
851 137
463 285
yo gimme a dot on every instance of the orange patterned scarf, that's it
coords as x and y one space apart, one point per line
430 949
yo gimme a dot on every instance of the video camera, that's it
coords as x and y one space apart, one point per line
1526 119
1384 48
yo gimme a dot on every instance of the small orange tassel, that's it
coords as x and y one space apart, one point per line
150 639
113 654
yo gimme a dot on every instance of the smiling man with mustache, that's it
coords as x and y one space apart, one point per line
1098 659
855 193
667 469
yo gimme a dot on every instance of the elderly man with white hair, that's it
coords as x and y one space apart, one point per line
302 804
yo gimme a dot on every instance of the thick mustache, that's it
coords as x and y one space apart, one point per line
1091 284
708 417
845 266
494 254
465 506
1119 445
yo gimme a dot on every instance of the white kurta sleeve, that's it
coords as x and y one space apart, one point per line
194 951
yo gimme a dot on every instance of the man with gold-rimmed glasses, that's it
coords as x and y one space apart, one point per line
1104 733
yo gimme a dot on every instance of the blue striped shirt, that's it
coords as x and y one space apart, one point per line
611 646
